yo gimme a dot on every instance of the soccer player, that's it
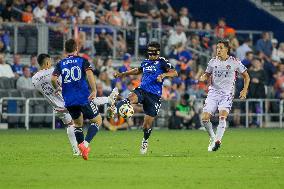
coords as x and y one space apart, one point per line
153 71
42 82
222 70
77 97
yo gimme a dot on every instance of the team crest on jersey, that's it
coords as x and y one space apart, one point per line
228 67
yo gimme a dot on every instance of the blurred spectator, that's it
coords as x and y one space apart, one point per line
127 18
256 87
196 91
274 47
113 17
27 16
87 12
199 25
102 44
126 92
183 18
141 9
54 3
33 66
231 35
117 123
247 60
73 12
185 115
108 68
220 29
4 38
280 52
62 10
279 84
25 81
270 69
264 45
126 63
105 81
244 48
120 45
168 15
207 27
8 14
5 69
176 36
193 25
17 67
205 42
18 8
166 90
40 13
52 15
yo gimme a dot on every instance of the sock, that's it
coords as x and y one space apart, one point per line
120 103
147 133
86 144
92 131
72 138
209 129
79 134
221 129
100 100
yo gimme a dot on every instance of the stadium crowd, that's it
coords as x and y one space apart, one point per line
183 40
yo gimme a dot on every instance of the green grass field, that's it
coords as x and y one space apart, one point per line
249 158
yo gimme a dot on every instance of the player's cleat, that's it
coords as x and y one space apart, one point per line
111 111
76 151
84 150
216 146
77 154
211 144
144 147
113 95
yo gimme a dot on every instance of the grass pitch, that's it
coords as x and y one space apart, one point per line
248 158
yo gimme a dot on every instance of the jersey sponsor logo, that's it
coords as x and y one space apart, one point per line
150 68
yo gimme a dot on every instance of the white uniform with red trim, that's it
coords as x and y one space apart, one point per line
222 88
42 82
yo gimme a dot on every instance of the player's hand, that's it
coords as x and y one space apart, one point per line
117 75
160 78
243 94
203 78
92 95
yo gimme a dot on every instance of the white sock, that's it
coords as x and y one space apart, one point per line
72 138
100 100
221 129
86 144
209 128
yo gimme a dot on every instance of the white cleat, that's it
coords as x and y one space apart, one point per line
113 95
76 152
144 147
211 144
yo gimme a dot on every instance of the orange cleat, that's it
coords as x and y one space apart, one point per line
84 150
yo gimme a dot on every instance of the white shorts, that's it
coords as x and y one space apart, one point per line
64 116
217 100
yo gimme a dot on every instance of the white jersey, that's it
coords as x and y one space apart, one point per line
223 74
42 82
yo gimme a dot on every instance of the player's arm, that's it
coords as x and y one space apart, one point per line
92 83
54 78
134 71
169 73
244 92
205 77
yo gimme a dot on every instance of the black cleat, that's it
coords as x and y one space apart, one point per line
217 146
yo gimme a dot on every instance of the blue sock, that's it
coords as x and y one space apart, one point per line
120 103
79 134
147 133
92 131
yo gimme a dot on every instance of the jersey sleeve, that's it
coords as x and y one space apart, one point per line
86 65
209 68
240 67
57 70
166 65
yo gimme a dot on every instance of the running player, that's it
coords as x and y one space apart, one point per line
222 70
75 72
154 70
42 82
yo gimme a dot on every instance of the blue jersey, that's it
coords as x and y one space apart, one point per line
75 89
151 70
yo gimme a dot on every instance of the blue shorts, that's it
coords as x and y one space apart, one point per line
89 111
151 102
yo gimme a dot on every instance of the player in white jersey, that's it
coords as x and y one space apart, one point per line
42 82
222 70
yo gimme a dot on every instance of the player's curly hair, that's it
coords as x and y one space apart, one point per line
226 43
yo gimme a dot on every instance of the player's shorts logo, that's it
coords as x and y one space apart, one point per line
228 67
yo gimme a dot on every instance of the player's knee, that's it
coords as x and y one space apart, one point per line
205 118
98 120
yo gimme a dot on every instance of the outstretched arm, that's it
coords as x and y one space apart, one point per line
169 73
92 82
134 71
244 92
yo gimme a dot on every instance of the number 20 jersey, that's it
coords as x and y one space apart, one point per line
75 89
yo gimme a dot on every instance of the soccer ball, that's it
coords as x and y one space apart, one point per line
126 111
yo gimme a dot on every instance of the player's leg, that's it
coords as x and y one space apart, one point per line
210 106
107 100
67 120
151 106
91 112
77 116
